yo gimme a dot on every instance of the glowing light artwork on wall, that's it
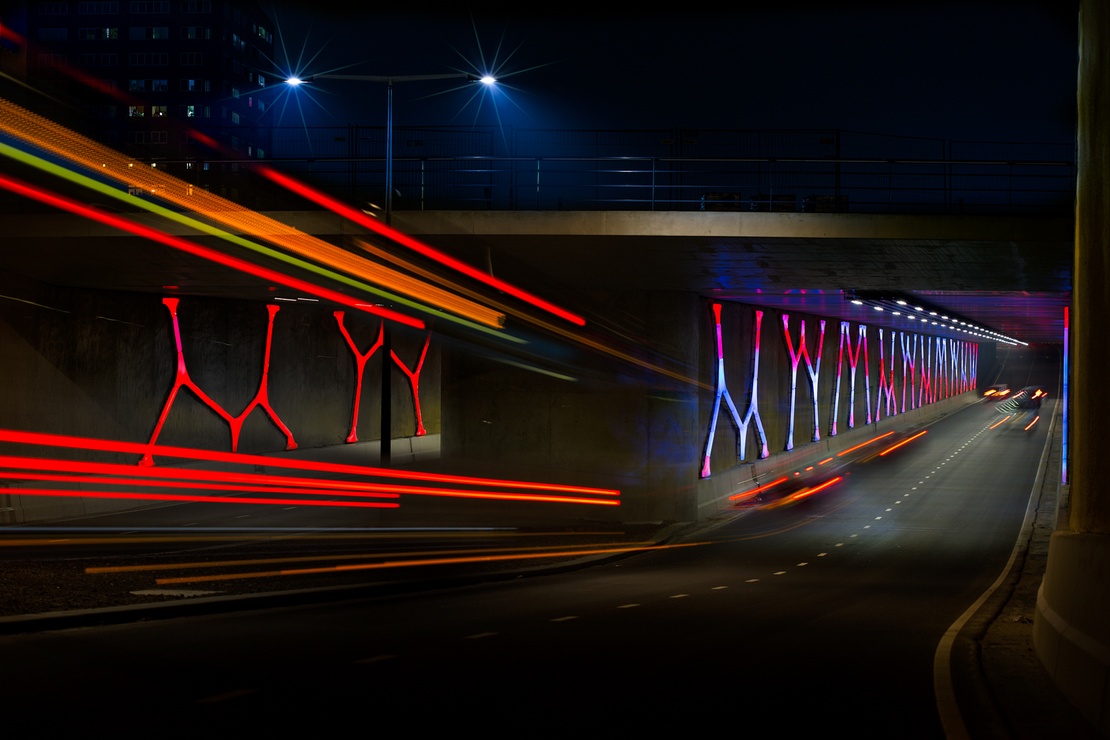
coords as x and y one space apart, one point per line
913 370
853 361
909 362
741 425
235 423
813 369
887 391
361 358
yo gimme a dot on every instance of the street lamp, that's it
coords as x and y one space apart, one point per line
385 349
389 81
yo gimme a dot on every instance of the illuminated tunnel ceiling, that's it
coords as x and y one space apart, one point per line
1016 286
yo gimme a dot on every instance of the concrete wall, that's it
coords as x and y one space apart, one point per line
103 364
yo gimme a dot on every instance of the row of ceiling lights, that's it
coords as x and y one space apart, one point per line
932 318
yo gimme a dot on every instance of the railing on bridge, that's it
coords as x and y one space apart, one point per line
449 168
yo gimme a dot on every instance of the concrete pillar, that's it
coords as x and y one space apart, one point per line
1072 623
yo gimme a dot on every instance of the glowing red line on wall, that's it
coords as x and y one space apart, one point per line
377 226
892 448
182 379
863 444
195 249
89 443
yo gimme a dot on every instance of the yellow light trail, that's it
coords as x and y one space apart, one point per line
51 137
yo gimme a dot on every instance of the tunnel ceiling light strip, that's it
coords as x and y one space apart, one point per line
197 250
373 224
917 310
89 443
51 137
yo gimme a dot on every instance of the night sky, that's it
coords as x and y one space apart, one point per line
975 70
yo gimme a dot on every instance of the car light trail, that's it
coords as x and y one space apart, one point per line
152 567
892 448
754 491
418 563
373 224
184 498
197 250
1030 426
51 137
864 444
239 241
1001 421
569 493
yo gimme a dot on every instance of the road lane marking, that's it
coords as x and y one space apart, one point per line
564 619
628 606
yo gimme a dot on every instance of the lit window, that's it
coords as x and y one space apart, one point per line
136 111
190 111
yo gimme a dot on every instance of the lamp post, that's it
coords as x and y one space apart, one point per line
386 348
389 81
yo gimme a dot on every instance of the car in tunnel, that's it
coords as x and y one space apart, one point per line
996 391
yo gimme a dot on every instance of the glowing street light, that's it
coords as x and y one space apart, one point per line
389 81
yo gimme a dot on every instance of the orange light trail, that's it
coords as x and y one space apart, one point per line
418 563
197 250
892 448
1001 421
1030 426
152 567
51 137
807 492
864 444
754 491
373 224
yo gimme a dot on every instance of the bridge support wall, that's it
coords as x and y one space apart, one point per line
1071 628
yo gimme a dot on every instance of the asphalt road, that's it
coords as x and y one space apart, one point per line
822 615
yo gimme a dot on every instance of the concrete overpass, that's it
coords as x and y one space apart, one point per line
630 401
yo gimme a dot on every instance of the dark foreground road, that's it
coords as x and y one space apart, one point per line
820 616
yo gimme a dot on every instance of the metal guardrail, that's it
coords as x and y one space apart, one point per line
464 168
677 184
